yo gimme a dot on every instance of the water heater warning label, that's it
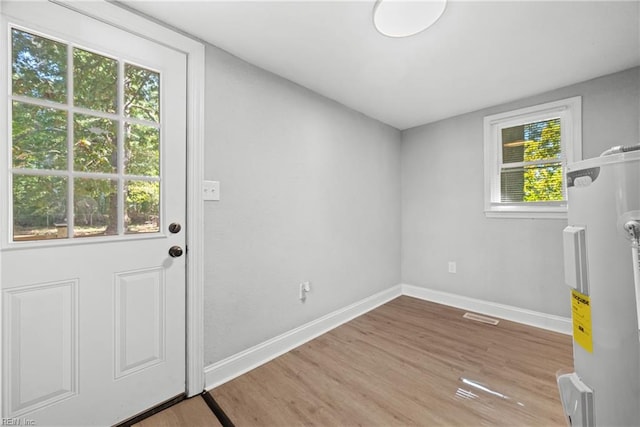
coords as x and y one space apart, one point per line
581 314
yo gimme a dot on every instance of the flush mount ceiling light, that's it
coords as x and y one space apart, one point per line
404 18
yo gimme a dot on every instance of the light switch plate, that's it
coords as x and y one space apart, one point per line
211 190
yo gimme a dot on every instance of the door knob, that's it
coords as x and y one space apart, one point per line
175 251
174 227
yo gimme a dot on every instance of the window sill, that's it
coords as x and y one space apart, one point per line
530 212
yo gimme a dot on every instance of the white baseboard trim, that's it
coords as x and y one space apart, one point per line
549 322
240 363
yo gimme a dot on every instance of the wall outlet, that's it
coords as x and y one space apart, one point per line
452 267
304 288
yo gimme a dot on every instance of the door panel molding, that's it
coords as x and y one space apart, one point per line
42 366
140 320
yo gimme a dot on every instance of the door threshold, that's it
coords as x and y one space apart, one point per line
150 412
216 409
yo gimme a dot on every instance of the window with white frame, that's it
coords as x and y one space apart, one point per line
526 152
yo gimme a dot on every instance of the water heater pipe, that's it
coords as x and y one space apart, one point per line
620 149
633 229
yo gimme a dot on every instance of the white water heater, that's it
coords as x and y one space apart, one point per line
602 269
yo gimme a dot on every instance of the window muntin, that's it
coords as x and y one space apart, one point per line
85 142
526 152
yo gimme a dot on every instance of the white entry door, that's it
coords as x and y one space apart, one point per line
92 186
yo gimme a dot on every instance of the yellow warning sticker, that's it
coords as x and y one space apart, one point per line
581 314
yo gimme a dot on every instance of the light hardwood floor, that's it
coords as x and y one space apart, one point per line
408 362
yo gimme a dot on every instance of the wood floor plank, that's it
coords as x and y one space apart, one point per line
408 362
192 412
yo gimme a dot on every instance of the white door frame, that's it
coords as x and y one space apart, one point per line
195 51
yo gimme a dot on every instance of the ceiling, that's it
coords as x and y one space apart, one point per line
478 54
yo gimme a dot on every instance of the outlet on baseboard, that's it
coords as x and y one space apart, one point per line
452 267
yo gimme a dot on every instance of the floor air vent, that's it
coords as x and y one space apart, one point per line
483 319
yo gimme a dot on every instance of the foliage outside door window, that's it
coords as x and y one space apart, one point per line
85 142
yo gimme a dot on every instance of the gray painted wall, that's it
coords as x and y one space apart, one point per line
310 191
510 261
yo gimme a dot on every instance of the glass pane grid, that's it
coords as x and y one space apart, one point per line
109 183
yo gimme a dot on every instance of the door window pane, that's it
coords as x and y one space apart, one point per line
39 207
95 204
141 93
95 148
39 137
106 160
142 150
142 207
95 81
39 67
